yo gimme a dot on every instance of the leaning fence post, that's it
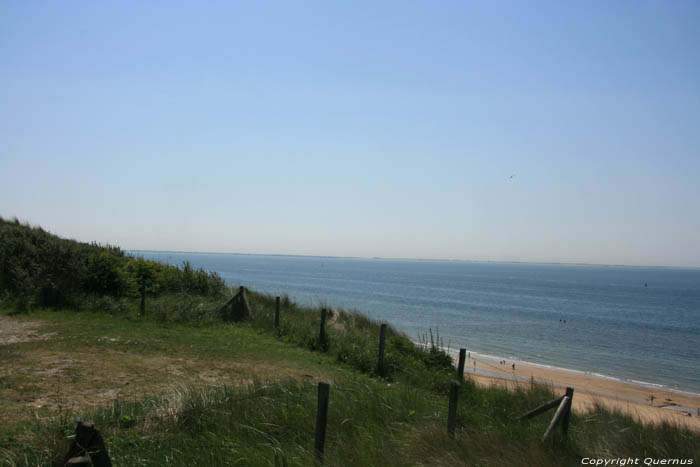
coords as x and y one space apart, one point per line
382 345
565 420
460 366
321 421
244 301
143 297
322 330
557 416
277 312
542 408
452 409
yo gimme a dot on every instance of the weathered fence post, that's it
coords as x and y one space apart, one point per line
244 301
567 414
460 366
561 416
321 421
557 416
237 307
142 311
277 312
322 330
87 446
382 345
452 409
542 408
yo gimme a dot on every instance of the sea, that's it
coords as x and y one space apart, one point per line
635 324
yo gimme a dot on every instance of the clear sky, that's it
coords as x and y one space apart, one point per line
385 129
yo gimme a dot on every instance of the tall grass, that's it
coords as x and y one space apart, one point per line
272 423
353 339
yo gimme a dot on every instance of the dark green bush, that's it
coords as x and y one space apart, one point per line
38 268
104 275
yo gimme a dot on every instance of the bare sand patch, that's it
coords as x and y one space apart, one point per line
13 331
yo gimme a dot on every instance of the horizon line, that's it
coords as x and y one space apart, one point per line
561 263
553 263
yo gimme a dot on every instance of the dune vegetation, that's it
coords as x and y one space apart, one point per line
177 383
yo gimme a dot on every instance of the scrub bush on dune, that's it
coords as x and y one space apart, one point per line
39 269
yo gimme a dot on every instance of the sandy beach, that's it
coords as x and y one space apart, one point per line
630 398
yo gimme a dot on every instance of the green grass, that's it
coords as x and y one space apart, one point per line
261 410
272 423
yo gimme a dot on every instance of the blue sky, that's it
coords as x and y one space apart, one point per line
361 129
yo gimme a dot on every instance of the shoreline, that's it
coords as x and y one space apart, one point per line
642 384
492 360
632 398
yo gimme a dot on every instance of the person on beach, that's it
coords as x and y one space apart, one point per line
513 366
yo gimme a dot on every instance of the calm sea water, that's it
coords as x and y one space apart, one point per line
635 323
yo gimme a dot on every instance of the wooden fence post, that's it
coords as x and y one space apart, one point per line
277 312
561 416
452 409
321 421
460 366
237 307
557 416
542 408
142 311
244 301
87 442
567 414
322 330
382 345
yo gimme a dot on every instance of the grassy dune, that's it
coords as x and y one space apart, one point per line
176 394
180 386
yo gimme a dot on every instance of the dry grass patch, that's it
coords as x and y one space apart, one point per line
44 371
